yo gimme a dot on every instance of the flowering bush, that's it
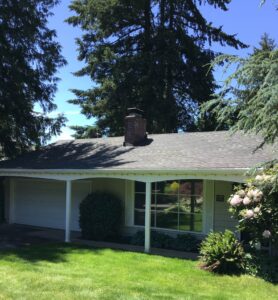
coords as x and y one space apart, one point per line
256 207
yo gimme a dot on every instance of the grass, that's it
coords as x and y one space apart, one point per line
71 272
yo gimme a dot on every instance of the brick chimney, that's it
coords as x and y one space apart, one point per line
135 127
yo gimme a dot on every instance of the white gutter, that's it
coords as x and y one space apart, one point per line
227 174
70 171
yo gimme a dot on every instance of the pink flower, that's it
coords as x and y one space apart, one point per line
258 196
250 194
266 234
259 178
249 214
246 201
236 200
241 193
257 209
255 194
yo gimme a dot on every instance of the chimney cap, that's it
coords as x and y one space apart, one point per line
135 111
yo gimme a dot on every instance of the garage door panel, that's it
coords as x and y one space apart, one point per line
42 203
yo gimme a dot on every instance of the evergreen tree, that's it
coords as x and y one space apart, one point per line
29 58
86 132
150 54
249 98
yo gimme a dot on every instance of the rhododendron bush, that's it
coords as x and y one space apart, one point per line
256 207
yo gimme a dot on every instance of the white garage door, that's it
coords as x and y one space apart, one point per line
42 202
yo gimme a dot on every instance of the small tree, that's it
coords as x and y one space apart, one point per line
256 207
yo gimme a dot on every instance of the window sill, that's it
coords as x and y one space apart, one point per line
175 231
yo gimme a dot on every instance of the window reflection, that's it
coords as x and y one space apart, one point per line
174 205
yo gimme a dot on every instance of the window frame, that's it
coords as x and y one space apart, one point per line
153 226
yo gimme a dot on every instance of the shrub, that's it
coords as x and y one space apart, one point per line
100 216
158 240
222 253
187 242
256 208
182 242
266 267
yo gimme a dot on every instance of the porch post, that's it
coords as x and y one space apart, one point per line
11 201
68 211
148 217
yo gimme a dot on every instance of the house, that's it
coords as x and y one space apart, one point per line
174 183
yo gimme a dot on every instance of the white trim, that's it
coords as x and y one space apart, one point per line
132 201
204 208
175 231
35 179
148 217
213 207
129 203
68 210
12 201
236 175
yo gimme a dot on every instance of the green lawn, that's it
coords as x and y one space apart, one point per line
69 272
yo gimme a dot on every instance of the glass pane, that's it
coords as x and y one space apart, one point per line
158 187
198 222
140 187
174 204
184 222
198 204
190 222
139 217
185 187
171 187
185 203
140 201
167 220
199 189
166 203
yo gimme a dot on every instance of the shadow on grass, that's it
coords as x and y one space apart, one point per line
263 267
52 252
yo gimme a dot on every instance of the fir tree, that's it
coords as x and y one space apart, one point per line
248 100
86 132
29 58
148 54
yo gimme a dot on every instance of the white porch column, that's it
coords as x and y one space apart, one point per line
148 217
68 211
11 201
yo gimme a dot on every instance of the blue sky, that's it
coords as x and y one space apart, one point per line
245 18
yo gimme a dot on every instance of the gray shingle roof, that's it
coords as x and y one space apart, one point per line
184 151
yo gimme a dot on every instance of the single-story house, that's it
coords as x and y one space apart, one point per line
177 182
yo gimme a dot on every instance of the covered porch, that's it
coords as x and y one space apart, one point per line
51 199
15 236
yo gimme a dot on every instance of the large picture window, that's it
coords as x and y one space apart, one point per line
175 205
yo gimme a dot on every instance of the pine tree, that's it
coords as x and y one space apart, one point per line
29 59
249 98
148 54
